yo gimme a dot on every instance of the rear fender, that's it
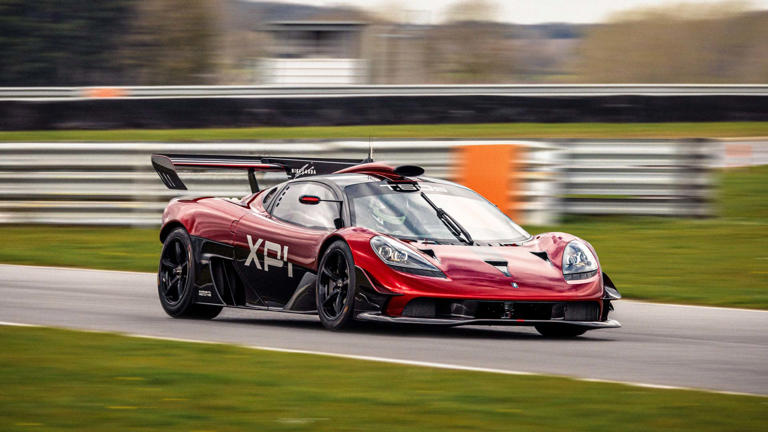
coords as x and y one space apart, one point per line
168 228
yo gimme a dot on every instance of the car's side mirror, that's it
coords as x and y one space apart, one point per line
309 199
314 200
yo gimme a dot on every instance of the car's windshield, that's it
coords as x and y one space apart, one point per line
379 206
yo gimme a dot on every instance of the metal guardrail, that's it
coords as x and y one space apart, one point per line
325 91
114 183
743 152
647 177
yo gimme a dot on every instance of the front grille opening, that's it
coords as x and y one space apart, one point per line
496 309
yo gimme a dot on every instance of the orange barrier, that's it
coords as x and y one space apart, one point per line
104 92
493 171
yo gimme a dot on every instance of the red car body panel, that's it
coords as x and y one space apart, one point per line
250 258
468 276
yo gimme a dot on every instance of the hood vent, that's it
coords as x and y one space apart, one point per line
542 255
500 266
429 252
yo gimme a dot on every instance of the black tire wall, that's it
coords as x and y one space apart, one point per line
245 112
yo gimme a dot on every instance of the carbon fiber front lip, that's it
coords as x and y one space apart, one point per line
374 316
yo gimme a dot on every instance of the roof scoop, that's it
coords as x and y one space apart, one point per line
409 170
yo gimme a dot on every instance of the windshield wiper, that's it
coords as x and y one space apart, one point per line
452 224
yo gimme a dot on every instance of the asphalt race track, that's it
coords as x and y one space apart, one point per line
709 348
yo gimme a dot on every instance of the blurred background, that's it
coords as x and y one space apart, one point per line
638 125
242 42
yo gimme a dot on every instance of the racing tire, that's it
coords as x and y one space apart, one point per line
335 287
175 279
560 331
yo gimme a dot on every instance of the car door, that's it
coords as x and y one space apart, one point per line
277 246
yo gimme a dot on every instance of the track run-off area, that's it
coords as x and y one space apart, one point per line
716 349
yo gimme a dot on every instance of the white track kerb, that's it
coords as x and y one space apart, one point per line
406 362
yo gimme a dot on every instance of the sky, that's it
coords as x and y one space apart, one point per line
518 11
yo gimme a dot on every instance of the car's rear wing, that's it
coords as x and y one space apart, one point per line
166 164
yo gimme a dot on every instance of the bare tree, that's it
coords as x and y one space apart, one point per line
470 47
469 52
472 10
682 43
171 42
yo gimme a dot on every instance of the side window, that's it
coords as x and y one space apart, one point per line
289 209
270 196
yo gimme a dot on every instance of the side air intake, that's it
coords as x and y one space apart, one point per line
500 266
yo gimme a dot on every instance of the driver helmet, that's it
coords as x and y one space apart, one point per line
384 215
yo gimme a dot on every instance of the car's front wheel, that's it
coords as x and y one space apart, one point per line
176 277
335 287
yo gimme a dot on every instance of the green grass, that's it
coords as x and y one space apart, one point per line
705 262
485 130
720 261
135 249
743 194
58 380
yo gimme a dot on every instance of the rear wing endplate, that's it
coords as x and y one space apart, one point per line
166 164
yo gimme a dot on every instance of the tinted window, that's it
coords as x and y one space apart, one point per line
289 209
378 207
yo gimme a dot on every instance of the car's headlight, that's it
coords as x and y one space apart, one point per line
578 262
401 258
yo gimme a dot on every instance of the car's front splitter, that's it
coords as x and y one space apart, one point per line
374 316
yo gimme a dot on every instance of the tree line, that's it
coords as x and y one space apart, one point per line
156 42
85 42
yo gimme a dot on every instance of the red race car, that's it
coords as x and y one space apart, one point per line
350 240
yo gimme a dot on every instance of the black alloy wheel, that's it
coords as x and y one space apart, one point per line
335 289
176 279
174 271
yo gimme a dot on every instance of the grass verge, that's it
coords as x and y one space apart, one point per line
59 380
483 130
108 248
704 262
720 261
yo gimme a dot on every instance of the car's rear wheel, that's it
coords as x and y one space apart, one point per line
562 331
335 288
176 276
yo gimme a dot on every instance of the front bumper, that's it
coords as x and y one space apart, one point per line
378 317
374 303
